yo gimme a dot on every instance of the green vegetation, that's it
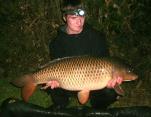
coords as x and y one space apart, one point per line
27 27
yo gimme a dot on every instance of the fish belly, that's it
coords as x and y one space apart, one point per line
80 83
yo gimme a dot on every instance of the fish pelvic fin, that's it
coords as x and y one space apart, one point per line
118 89
83 96
27 91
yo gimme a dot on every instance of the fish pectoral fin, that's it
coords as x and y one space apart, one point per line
83 96
119 90
28 90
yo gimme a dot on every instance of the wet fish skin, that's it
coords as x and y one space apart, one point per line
82 73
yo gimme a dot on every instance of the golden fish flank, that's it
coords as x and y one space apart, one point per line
82 73
76 76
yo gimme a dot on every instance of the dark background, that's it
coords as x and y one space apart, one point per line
27 27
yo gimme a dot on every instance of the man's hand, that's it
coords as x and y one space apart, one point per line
52 84
115 81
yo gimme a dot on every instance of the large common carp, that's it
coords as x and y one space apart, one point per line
82 73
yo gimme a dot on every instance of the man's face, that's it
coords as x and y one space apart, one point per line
74 24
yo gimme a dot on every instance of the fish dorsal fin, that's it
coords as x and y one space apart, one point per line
119 90
59 59
68 57
83 96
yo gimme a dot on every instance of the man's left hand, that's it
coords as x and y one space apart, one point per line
115 81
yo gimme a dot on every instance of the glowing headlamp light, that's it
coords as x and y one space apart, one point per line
78 12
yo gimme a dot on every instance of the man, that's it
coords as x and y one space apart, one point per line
76 38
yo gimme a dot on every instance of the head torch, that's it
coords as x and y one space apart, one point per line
77 12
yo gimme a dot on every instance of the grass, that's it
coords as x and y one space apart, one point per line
8 90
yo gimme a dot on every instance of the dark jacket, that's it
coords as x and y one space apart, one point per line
88 42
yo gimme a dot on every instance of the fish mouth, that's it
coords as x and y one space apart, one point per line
135 77
131 78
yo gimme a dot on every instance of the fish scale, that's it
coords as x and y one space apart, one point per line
82 73
76 74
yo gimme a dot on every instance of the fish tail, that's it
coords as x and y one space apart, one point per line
21 82
27 84
27 91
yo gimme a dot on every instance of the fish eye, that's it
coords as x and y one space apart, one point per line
128 71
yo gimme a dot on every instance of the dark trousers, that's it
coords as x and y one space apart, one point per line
99 99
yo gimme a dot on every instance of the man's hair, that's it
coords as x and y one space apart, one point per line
71 5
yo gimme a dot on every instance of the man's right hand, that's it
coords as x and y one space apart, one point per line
52 84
